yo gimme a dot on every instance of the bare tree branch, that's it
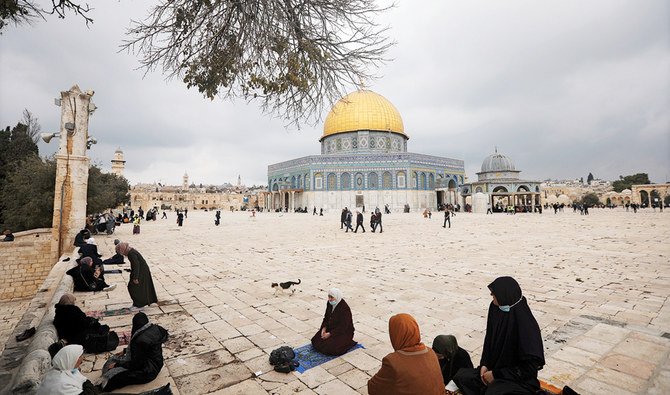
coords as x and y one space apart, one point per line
293 56
18 12
32 122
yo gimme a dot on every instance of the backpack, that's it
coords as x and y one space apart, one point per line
282 359
281 355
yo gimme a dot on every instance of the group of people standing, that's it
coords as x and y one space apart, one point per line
512 353
346 218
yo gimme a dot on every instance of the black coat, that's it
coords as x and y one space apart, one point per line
73 325
91 250
359 218
79 240
84 280
449 368
146 353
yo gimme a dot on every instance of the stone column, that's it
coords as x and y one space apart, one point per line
71 171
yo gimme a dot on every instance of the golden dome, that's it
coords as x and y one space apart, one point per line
363 110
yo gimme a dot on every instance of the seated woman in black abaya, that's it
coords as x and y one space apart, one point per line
141 361
512 353
450 356
75 327
86 278
336 334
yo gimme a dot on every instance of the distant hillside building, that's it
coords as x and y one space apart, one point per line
186 197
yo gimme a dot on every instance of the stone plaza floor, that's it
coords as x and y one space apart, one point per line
598 286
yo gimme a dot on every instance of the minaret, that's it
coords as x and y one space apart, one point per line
118 163
239 180
184 184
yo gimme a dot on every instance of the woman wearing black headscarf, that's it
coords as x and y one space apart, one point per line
512 352
450 356
141 361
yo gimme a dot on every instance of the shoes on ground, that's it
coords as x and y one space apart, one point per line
27 334
110 288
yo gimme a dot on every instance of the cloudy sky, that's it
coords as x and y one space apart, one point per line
564 88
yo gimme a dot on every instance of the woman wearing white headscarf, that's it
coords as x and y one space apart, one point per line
65 378
335 337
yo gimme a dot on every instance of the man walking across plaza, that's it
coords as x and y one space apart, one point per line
343 217
447 217
347 221
359 221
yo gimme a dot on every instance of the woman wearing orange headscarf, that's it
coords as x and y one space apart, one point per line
413 368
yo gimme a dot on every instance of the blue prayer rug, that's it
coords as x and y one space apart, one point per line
309 357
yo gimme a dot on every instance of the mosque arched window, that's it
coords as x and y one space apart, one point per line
401 179
293 182
332 182
345 181
373 181
422 181
387 182
318 181
358 181
306 180
431 181
299 181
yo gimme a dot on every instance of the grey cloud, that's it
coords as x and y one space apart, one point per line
563 88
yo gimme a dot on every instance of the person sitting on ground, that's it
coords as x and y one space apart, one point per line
82 236
451 356
336 334
90 249
8 235
140 285
73 326
141 361
512 353
64 376
412 369
88 279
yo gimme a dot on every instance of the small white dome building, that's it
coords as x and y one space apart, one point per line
499 181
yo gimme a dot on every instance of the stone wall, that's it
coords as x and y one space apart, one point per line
25 263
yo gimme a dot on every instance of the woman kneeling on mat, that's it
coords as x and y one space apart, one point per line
336 335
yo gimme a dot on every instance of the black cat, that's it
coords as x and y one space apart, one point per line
284 286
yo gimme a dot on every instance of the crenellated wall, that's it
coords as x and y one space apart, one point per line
25 263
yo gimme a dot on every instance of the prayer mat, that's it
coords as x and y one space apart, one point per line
114 271
309 357
111 313
124 337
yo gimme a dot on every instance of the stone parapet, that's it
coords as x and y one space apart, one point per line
25 263
23 364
